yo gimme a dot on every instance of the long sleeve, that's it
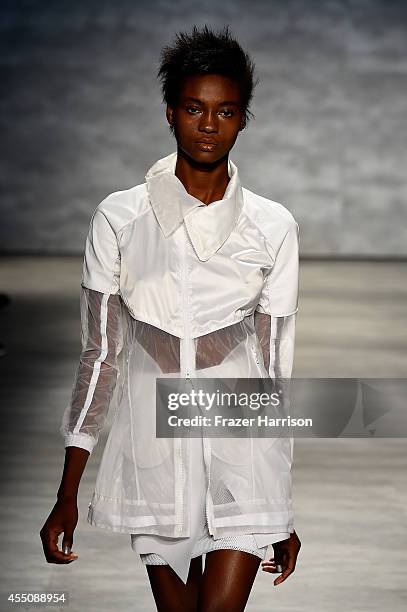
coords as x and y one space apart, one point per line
277 339
275 315
97 372
101 335
275 323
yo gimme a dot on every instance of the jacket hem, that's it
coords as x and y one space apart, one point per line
147 525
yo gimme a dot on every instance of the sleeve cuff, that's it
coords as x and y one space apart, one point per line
260 308
80 440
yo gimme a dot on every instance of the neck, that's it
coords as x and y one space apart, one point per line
206 182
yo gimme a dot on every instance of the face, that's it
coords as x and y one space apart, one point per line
208 109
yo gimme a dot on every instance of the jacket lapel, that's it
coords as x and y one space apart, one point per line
208 226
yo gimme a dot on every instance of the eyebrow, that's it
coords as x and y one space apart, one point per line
220 103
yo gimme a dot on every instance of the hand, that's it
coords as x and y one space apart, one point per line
285 554
62 519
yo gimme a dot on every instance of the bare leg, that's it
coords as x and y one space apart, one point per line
170 593
227 580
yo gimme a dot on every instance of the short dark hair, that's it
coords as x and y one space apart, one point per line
206 52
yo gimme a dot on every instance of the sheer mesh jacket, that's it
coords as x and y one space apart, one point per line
175 288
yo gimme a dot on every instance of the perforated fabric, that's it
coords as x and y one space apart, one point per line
206 544
172 288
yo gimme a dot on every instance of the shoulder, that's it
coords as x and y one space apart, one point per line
272 219
123 206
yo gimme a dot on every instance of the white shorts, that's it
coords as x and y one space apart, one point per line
206 543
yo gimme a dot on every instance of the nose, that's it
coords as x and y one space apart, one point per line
209 122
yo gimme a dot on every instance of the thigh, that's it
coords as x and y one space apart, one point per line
169 592
227 580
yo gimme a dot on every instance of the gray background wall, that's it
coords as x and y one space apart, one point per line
81 114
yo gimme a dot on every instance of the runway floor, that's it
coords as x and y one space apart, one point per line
350 495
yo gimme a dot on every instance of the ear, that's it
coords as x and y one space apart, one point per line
170 114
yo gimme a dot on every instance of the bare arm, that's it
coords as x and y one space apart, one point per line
74 466
64 515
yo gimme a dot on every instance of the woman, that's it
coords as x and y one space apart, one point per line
188 275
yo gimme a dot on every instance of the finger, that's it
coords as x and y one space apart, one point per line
60 558
49 538
286 572
273 568
270 560
269 570
282 577
67 541
57 556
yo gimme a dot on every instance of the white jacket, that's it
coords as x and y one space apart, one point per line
174 287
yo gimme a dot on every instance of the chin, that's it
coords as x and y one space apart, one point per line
208 156
201 156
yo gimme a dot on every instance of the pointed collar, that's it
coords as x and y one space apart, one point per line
208 225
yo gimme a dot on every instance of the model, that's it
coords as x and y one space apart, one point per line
193 276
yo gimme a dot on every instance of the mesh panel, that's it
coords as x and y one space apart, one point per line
213 348
162 347
276 337
97 371
223 495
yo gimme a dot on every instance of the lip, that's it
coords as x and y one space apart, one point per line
209 142
207 147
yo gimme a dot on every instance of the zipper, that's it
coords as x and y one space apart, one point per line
179 497
207 497
256 358
185 307
187 366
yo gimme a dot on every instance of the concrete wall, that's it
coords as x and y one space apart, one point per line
81 114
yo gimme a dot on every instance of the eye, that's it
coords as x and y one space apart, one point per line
192 108
229 113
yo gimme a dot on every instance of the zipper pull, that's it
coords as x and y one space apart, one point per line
256 357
